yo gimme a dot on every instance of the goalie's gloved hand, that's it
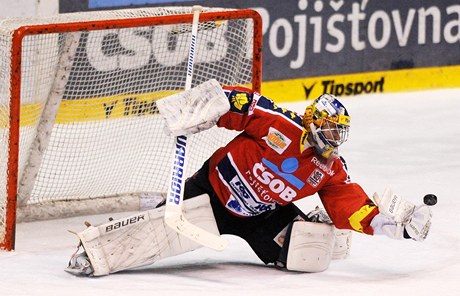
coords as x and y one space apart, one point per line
399 218
194 110
319 215
419 224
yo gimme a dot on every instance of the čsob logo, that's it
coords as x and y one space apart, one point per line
288 167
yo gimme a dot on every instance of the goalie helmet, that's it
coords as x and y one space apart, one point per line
328 122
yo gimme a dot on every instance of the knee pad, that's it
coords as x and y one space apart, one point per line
310 246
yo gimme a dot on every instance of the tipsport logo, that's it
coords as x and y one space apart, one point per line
278 185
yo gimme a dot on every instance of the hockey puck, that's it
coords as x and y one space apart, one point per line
430 199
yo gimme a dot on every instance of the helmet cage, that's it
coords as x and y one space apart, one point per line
332 132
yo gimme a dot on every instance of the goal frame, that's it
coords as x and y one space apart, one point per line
15 84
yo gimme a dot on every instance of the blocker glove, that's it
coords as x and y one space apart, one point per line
399 218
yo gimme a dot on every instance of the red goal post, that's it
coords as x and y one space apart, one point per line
48 133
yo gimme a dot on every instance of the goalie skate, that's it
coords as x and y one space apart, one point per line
79 264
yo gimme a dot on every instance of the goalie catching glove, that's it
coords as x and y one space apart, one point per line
399 218
194 110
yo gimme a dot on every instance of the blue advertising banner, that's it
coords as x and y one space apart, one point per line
307 39
315 38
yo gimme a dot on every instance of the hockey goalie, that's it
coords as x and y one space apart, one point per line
248 189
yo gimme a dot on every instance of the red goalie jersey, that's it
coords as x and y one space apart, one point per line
271 163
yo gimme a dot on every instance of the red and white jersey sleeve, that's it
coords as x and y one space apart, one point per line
267 165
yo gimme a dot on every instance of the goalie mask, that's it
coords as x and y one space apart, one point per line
328 122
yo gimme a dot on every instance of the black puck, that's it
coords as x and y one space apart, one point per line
430 199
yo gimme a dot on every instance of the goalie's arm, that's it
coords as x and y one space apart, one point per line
349 208
208 104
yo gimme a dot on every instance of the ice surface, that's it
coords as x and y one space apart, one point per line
408 141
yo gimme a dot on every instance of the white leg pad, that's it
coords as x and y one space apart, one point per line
143 238
342 243
311 246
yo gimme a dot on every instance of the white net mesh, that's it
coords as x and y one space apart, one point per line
89 128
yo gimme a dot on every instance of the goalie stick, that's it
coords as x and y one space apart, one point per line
173 216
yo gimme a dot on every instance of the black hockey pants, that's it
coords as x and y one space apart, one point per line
258 231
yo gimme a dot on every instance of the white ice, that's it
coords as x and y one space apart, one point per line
408 141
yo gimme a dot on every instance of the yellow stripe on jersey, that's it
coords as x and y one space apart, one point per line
358 216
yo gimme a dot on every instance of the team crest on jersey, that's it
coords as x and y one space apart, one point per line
276 140
239 100
315 178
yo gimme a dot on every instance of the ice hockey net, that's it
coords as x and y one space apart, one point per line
80 132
